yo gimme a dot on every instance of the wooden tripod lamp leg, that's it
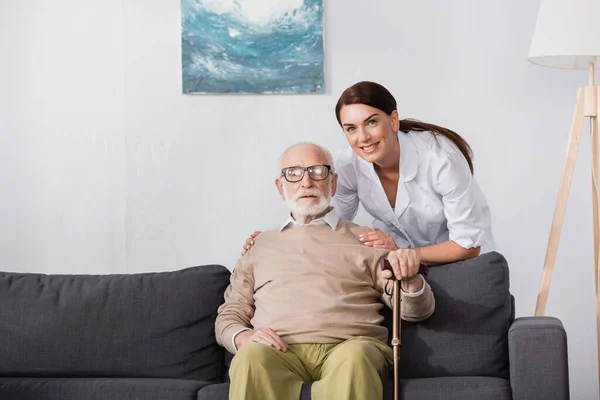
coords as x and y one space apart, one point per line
561 203
595 183
396 337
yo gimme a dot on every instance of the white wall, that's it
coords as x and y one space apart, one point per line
61 136
106 167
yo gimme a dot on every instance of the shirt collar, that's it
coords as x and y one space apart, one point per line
331 219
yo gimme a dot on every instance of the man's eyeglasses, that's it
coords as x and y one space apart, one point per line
316 172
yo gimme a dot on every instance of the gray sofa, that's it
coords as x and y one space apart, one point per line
151 336
113 337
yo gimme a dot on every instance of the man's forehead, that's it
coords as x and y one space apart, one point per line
304 156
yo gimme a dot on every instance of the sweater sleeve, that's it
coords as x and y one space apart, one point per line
235 314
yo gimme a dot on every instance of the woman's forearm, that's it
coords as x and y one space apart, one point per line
446 252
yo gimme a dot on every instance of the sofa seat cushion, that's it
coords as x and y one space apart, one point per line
219 391
99 389
454 388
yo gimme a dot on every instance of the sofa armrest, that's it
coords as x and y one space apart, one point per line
537 348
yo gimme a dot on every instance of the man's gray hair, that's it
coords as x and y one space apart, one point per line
322 149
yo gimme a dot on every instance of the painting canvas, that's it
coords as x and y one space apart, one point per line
252 46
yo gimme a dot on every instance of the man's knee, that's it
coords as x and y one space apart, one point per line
252 354
359 352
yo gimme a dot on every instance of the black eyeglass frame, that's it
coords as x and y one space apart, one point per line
304 170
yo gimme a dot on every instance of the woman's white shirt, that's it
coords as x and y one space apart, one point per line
437 200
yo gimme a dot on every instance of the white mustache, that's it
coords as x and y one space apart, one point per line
307 192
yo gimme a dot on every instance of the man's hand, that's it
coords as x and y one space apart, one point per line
405 264
266 336
378 239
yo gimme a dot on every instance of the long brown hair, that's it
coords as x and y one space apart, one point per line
374 95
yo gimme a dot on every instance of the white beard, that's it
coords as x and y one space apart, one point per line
309 209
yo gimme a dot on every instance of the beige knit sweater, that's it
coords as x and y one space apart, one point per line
312 284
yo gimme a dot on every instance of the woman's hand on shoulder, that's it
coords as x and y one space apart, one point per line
250 242
378 239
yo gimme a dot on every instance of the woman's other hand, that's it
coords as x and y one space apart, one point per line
250 242
378 239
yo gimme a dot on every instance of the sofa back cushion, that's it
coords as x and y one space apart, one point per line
467 335
158 325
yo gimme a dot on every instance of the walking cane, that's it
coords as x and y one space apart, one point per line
396 320
396 324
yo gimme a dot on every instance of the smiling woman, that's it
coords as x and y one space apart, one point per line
415 179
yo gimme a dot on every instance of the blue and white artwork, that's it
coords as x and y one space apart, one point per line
252 46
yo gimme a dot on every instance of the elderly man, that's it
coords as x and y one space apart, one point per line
303 305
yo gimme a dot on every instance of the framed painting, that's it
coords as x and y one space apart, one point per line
252 46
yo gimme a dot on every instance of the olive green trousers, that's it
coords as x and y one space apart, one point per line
350 370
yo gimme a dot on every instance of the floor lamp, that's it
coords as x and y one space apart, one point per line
567 35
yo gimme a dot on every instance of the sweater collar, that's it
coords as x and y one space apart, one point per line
331 219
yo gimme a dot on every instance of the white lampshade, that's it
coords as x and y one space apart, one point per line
567 34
